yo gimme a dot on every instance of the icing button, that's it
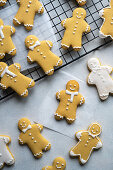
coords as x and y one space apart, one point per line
29 134
32 138
85 144
26 10
41 53
30 2
38 50
2 44
28 6
35 141
14 80
44 57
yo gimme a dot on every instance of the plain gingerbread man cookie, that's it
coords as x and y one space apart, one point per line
39 51
6 44
58 163
75 27
106 29
26 13
88 141
100 77
69 100
3 2
81 2
6 156
31 136
11 77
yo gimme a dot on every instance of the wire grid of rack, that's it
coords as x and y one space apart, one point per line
57 11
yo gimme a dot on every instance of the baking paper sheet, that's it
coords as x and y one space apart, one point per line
40 106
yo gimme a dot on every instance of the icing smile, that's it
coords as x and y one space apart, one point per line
78 17
32 43
72 89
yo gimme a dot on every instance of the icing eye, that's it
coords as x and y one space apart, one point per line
77 12
74 85
30 38
57 162
81 13
20 124
23 121
70 85
62 164
27 41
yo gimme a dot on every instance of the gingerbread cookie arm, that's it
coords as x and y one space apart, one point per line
21 139
65 22
86 27
81 99
78 134
108 68
49 43
15 66
39 8
12 30
91 79
31 57
40 127
99 144
58 95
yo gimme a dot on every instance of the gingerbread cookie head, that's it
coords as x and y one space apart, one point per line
72 86
93 63
2 67
59 163
24 123
79 13
31 41
95 129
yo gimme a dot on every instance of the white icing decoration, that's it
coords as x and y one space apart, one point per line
47 72
48 44
78 134
99 145
35 45
11 29
12 51
106 87
56 114
28 25
24 130
72 95
29 58
39 11
1 1
47 146
58 63
1 32
65 45
64 22
37 154
6 71
70 119
3 86
6 156
30 83
39 127
16 20
24 93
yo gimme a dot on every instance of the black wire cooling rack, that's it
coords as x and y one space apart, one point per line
57 11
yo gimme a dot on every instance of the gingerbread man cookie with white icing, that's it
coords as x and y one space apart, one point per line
26 13
6 156
3 2
106 29
39 51
69 100
11 77
31 136
58 163
100 77
6 44
81 2
88 141
75 27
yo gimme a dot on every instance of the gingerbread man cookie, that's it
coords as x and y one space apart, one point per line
39 51
6 44
31 136
26 13
6 156
81 2
69 100
106 29
3 2
58 163
75 27
11 77
100 77
88 141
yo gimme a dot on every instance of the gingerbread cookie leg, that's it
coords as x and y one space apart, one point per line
66 41
70 118
3 2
